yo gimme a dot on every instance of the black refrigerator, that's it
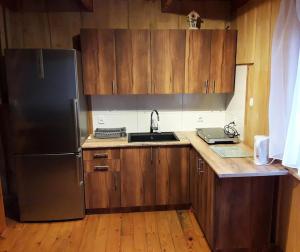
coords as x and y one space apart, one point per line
48 123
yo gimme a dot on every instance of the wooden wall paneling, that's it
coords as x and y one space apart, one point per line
14 26
197 61
137 17
36 30
141 62
245 23
111 14
63 27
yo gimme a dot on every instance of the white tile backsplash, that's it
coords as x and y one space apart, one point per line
236 104
177 112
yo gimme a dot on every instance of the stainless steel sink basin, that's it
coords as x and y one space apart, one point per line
152 137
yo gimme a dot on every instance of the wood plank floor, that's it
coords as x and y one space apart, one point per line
133 232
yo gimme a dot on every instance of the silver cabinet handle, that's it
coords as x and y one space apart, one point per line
101 155
101 168
206 86
214 86
114 87
115 181
200 166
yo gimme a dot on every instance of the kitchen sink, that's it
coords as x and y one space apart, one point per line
152 137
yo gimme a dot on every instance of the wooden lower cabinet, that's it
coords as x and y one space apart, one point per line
235 214
137 177
172 175
102 178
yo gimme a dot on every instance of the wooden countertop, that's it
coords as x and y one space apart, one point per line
223 167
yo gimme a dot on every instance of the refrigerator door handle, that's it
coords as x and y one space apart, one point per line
76 120
79 169
40 60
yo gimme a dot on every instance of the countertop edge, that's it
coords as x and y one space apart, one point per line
185 140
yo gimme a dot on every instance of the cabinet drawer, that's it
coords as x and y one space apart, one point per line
102 165
99 154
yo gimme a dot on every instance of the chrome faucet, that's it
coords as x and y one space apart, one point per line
153 126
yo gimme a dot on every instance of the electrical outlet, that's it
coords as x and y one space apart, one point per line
200 119
100 120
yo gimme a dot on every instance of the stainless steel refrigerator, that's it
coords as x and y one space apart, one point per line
47 113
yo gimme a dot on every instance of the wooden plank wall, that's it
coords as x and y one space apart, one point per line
255 22
55 30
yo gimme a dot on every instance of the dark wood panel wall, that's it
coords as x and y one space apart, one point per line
55 29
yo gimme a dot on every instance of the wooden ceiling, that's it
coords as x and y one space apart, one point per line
215 9
49 5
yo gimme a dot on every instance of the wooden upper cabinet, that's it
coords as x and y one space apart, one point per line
133 61
223 60
167 61
197 61
98 59
158 61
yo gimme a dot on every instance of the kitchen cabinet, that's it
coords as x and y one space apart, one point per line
222 61
172 175
98 61
133 74
116 61
211 58
230 209
137 177
202 193
198 61
121 61
168 61
102 178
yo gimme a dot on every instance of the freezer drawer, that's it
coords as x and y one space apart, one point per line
50 187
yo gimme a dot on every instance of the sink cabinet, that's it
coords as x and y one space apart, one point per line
234 213
136 177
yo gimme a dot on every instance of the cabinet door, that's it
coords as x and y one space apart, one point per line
198 61
137 177
167 61
133 61
223 58
102 184
172 175
194 181
98 61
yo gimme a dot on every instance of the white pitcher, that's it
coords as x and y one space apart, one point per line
261 150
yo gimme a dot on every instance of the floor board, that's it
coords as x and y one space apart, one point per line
164 231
